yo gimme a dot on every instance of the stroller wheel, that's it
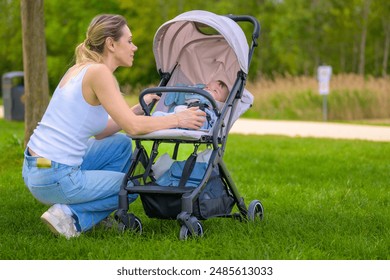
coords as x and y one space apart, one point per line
255 211
130 222
185 232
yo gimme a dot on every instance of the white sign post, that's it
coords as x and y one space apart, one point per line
323 75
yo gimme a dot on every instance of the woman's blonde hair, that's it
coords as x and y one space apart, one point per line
100 28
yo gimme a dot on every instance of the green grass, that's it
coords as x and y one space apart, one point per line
323 199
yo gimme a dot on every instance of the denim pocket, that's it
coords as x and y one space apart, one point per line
45 184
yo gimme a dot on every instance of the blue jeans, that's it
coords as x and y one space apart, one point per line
90 190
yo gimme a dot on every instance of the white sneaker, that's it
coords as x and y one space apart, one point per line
59 222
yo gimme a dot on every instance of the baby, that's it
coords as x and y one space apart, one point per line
218 90
177 102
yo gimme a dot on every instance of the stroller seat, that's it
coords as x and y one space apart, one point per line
176 134
202 135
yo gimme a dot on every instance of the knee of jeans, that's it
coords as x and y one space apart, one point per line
123 141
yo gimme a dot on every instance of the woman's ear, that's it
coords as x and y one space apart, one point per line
110 44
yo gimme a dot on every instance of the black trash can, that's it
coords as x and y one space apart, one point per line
13 91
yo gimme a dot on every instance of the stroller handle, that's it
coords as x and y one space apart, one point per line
251 19
160 90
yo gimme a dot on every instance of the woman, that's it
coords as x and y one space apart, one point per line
64 166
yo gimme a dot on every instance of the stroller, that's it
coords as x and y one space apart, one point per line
193 47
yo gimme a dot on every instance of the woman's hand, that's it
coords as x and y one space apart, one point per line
192 118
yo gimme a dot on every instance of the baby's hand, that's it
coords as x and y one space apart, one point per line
148 98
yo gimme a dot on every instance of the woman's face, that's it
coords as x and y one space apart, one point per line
124 48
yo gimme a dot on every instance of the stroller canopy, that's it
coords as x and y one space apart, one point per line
201 56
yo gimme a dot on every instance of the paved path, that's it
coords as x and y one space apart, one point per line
306 129
312 129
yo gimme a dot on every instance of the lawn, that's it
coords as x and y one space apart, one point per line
323 199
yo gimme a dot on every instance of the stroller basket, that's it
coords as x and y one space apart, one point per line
169 206
165 202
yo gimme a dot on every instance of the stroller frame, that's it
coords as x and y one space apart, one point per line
189 222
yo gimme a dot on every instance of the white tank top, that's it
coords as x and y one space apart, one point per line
68 123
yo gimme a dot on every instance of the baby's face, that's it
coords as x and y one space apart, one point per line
216 91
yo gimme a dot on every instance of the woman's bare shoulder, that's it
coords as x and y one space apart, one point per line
98 68
98 72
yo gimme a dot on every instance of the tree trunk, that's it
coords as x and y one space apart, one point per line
34 64
362 56
386 27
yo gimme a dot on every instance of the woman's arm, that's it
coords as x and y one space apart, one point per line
102 83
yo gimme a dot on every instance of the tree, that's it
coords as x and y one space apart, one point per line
34 64
381 12
362 56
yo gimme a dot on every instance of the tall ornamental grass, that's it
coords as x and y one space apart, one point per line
351 98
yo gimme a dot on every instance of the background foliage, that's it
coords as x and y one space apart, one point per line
297 35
